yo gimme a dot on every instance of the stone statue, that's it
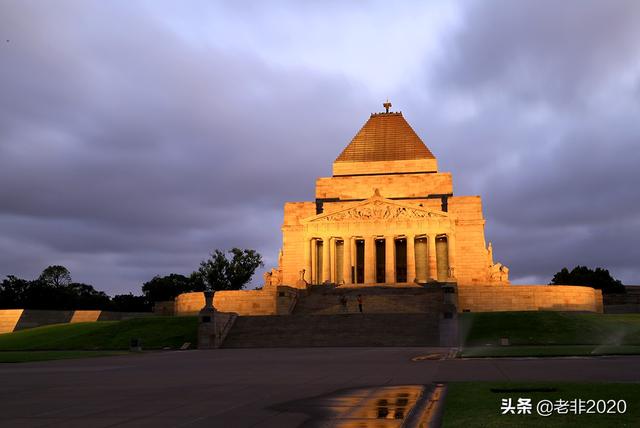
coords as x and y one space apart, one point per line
276 276
266 278
499 273
302 283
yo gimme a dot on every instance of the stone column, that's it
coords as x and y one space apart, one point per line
433 266
314 261
411 259
369 260
307 260
346 260
390 260
326 263
451 244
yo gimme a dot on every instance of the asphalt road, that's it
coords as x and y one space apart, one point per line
246 387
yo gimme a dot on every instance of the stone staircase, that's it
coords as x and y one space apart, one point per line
376 299
339 330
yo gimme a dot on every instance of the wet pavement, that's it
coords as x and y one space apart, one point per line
253 387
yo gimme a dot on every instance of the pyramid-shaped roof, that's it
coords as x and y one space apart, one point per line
385 137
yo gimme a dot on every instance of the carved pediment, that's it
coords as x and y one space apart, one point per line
377 208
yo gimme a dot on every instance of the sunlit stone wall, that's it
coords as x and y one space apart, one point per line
20 319
495 298
242 302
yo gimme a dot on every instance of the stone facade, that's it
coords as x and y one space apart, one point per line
387 216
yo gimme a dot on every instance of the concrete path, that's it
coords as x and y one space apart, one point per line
244 387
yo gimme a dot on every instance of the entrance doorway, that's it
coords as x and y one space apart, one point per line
401 259
359 261
318 271
339 271
380 259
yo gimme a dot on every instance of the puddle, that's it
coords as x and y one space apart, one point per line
381 407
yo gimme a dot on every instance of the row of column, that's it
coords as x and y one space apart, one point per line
333 271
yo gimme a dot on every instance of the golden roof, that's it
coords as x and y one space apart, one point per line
385 137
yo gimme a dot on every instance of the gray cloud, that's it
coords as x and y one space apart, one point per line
129 150
551 123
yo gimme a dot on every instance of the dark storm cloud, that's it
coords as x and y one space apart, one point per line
553 128
135 139
132 145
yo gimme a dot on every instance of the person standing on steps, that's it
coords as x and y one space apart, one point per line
343 303
360 302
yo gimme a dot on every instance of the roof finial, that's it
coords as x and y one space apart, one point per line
387 105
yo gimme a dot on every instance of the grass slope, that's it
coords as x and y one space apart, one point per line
474 404
154 332
549 328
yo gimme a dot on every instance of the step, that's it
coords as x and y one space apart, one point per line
334 330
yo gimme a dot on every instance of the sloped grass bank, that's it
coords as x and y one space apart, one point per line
154 333
549 328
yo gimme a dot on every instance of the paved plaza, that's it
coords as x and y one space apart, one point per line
247 387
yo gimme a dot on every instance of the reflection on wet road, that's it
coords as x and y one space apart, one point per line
375 407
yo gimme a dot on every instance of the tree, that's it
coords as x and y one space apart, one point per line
599 279
220 273
84 296
162 288
56 276
130 303
12 291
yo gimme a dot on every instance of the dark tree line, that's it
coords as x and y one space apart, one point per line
597 278
54 288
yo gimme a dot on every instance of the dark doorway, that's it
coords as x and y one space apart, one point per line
340 262
359 261
318 272
401 260
380 258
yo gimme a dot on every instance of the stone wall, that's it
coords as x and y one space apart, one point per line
20 319
496 298
9 319
164 308
390 186
382 167
472 260
241 302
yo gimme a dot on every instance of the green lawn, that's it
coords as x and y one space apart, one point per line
29 356
549 351
154 332
474 404
549 328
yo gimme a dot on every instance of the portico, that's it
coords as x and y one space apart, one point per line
379 241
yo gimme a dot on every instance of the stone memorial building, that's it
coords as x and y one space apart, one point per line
387 215
387 219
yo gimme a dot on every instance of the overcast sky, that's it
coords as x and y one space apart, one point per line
138 136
